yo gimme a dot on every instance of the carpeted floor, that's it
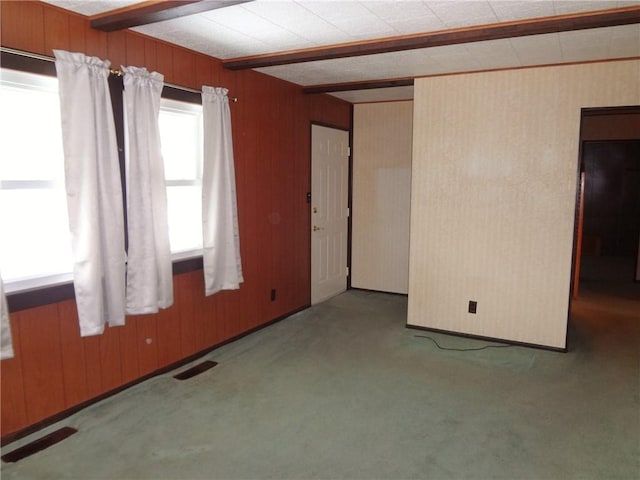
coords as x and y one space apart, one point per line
343 391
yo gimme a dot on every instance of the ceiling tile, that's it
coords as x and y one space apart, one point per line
266 26
511 10
537 49
298 20
462 13
92 7
406 17
572 6
376 95
350 17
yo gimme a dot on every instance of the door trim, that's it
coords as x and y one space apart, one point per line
349 193
576 253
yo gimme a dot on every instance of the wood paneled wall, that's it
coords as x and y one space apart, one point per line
54 368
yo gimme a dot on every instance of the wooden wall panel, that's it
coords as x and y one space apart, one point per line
77 34
56 35
129 350
110 359
184 303
135 45
164 61
271 129
74 365
184 68
26 28
93 366
147 343
96 42
41 354
205 72
150 55
117 48
210 318
168 337
12 396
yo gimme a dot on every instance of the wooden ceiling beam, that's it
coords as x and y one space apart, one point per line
153 11
347 87
538 26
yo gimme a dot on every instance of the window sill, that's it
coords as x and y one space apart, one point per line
23 295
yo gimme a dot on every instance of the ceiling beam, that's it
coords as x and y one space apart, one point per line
538 26
153 11
346 87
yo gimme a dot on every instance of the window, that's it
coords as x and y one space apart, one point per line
182 143
35 243
35 246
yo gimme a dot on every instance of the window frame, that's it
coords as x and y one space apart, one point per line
176 95
42 65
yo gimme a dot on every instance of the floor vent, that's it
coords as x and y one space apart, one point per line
196 370
38 445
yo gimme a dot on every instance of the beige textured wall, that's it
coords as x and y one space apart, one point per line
382 139
493 195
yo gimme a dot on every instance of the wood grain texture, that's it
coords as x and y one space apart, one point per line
41 354
56 35
26 29
73 358
146 343
55 368
184 64
135 45
77 33
129 352
12 397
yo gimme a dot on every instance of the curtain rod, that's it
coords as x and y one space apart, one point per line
116 72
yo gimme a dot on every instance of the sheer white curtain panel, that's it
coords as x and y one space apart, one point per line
94 192
6 343
149 269
221 240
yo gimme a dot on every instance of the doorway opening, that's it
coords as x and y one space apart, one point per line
607 240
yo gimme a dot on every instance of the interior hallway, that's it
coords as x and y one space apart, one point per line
344 390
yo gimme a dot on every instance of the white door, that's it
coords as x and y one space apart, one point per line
329 211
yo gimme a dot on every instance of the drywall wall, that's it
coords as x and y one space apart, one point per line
382 139
494 180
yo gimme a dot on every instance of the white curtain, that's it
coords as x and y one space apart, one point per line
149 269
221 241
94 192
6 344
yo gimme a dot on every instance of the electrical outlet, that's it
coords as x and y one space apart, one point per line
473 306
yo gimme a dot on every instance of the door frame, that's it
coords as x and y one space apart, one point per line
579 201
349 192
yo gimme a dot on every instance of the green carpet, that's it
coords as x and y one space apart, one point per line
343 391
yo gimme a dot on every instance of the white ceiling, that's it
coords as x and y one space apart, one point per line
269 26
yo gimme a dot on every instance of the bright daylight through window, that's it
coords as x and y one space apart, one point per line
181 138
35 244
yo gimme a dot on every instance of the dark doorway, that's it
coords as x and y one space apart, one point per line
610 160
611 211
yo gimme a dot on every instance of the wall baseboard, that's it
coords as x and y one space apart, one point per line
489 339
23 432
